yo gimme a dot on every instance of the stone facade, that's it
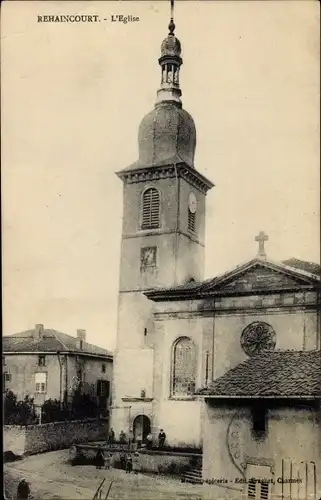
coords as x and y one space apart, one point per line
179 257
154 313
291 449
61 373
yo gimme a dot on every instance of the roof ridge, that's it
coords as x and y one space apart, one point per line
57 338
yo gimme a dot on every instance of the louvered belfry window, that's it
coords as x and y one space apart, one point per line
150 209
191 221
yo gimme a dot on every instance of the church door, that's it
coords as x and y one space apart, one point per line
141 428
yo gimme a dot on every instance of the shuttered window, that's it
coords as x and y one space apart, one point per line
251 489
150 209
257 490
264 491
191 221
103 388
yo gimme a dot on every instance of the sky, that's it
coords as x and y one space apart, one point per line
73 96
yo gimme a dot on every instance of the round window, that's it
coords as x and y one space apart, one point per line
258 337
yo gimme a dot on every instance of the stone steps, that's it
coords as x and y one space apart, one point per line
192 475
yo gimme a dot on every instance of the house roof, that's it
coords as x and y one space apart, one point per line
304 272
271 374
50 341
310 267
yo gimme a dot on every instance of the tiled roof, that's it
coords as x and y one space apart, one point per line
50 341
303 265
275 373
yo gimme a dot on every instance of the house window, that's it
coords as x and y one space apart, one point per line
4 361
7 377
103 388
103 368
184 367
41 383
41 360
191 221
259 420
150 209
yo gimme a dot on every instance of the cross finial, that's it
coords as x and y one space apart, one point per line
261 238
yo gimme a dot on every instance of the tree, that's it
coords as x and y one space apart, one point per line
83 406
18 412
54 411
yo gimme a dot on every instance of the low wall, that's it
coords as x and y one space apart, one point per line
161 462
45 437
149 460
14 439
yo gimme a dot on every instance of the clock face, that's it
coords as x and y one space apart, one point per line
192 203
258 337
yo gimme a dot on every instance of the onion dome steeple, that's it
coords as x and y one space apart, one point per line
167 135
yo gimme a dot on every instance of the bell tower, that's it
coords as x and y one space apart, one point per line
162 242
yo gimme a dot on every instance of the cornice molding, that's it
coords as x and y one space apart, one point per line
136 400
182 170
160 232
235 311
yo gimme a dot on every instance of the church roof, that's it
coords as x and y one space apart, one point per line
271 374
51 341
303 273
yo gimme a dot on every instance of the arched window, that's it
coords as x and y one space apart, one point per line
184 367
150 209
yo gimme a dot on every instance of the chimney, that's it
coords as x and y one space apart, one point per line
81 338
38 332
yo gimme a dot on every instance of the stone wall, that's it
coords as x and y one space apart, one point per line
40 438
158 462
162 462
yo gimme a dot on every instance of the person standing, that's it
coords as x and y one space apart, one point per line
123 460
122 437
130 439
161 439
23 490
136 463
149 440
108 460
99 459
111 437
129 463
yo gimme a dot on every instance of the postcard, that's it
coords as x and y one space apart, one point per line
161 249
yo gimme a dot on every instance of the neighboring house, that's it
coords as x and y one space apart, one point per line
47 364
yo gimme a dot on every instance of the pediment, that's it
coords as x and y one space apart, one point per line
258 276
262 276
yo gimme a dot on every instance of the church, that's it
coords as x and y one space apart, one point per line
230 365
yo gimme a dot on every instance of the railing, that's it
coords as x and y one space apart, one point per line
99 492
